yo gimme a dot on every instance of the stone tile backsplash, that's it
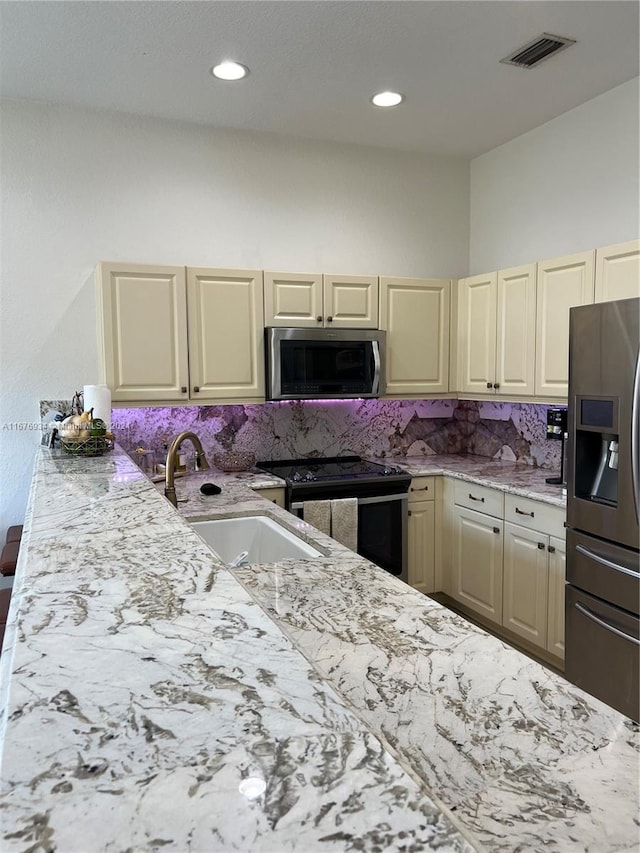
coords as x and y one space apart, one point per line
373 428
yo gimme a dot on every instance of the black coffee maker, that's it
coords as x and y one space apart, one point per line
557 431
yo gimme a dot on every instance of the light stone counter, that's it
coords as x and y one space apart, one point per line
141 685
142 681
516 479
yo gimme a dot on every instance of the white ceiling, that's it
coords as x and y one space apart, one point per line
315 63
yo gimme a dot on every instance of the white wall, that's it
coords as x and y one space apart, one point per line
78 187
569 185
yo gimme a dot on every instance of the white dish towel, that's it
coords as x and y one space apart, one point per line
318 513
344 522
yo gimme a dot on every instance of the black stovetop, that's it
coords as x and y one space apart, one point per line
335 469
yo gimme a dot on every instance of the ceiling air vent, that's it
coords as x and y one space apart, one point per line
536 51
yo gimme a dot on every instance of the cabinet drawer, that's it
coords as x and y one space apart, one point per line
535 515
480 498
422 489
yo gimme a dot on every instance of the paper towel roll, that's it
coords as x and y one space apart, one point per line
98 398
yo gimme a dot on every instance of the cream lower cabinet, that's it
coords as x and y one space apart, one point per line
421 534
415 313
274 494
315 300
533 593
496 332
618 271
164 338
476 579
506 565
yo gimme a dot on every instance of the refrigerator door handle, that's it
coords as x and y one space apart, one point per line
635 439
598 558
603 624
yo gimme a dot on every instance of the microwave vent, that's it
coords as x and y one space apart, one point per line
537 51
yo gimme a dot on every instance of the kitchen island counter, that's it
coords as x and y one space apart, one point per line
142 682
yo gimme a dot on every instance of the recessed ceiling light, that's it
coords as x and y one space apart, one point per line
229 71
387 99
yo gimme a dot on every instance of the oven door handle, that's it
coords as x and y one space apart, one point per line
604 624
374 500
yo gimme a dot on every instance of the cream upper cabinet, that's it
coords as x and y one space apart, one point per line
350 301
314 301
293 299
170 333
562 284
496 332
415 314
226 334
477 298
618 271
142 323
516 331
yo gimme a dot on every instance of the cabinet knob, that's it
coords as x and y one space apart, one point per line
196 388
489 385
540 546
319 319
409 513
496 530
474 498
496 385
421 489
184 389
551 549
329 319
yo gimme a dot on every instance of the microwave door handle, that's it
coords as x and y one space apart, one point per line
376 366
635 439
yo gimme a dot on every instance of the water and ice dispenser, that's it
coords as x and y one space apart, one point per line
596 450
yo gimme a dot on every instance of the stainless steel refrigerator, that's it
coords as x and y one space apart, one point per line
603 504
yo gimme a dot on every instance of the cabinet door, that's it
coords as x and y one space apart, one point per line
618 271
293 299
415 314
476 572
557 575
477 333
350 302
142 314
226 329
420 535
274 494
516 331
524 605
562 283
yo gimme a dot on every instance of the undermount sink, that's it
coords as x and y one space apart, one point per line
263 540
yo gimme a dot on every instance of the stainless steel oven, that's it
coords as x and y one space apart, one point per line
381 492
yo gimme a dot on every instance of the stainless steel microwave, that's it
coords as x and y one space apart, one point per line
324 364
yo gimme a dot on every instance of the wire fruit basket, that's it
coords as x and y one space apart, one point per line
96 445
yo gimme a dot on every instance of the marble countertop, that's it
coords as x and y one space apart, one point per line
142 682
516 479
